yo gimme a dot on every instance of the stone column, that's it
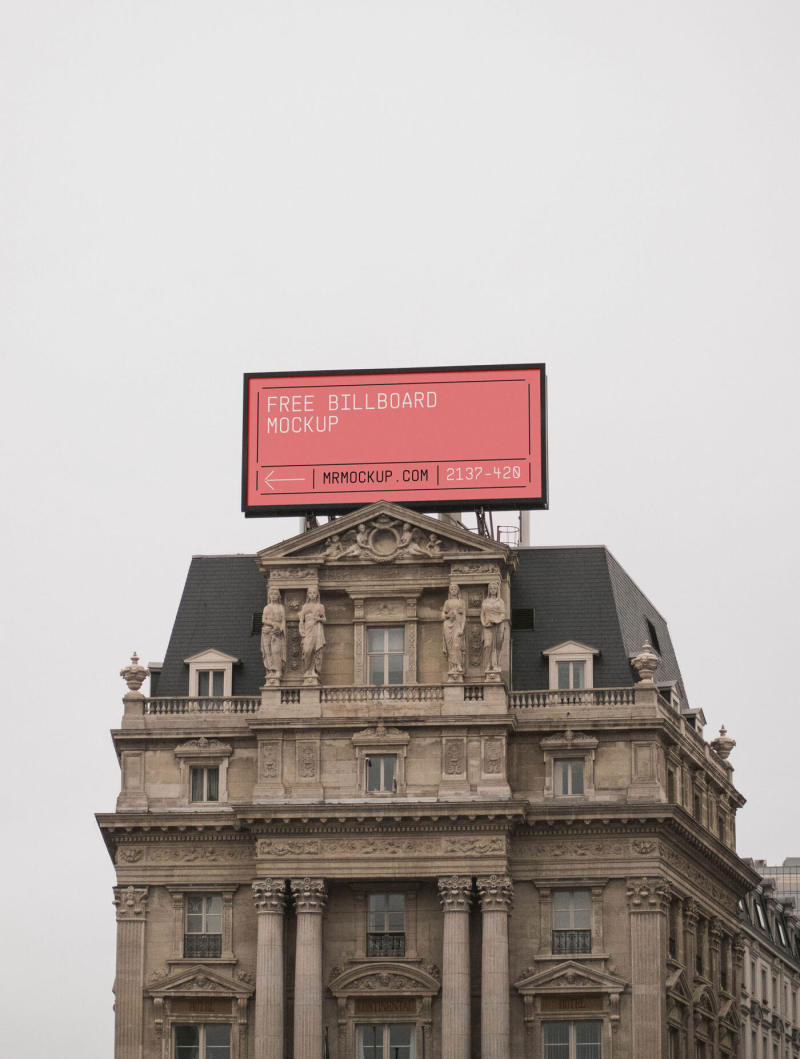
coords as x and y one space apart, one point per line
456 893
268 895
680 946
690 917
309 896
495 895
648 902
131 902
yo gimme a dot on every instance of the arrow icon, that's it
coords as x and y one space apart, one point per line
270 481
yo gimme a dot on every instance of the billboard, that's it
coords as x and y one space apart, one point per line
438 439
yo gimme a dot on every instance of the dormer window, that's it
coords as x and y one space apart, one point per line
211 674
570 675
571 666
210 682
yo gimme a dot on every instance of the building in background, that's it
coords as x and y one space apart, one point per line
771 980
401 791
786 878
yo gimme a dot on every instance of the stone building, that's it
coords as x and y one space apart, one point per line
770 987
401 792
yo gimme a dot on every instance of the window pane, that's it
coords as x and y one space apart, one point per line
212 792
576 768
562 668
396 639
375 640
197 785
217 1035
214 904
587 1040
219 682
560 776
388 773
400 1042
556 1040
582 909
395 669
202 682
562 910
396 922
373 774
187 1042
376 669
577 674
371 1042
377 913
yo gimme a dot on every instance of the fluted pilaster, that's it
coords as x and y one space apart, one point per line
648 901
495 895
456 894
269 897
131 904
309 896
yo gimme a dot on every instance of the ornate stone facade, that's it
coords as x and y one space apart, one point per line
384 826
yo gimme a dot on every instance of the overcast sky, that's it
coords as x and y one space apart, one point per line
192 190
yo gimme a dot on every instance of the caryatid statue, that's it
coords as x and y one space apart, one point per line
312 631
493 617
273 637
454 621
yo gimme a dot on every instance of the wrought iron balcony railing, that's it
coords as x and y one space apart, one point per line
202 945
572 941
386 944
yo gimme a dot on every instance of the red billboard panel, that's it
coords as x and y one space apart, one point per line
435 440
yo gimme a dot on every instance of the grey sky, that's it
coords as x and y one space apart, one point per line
192 190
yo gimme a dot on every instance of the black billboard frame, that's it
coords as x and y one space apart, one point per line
289 510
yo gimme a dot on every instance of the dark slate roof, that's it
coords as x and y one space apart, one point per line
584 594
220 597
577 594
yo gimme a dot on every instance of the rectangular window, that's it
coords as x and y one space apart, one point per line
386 1041
386 925
210 682
385 654
571 675
674 1044
205 783
568 775
203 928
203 1042
572 1040
381 773
572 921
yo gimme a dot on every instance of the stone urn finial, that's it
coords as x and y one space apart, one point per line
723 744
134 675
645 663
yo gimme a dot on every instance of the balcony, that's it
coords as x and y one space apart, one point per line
386 944
169 707
202 946
572 942
534 700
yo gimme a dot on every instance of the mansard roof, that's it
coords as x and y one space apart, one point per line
576 593
583 594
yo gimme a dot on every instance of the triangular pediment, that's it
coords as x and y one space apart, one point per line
211 656
198 981
704 1000
678 987
384 532
570 647
569 976
385 978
